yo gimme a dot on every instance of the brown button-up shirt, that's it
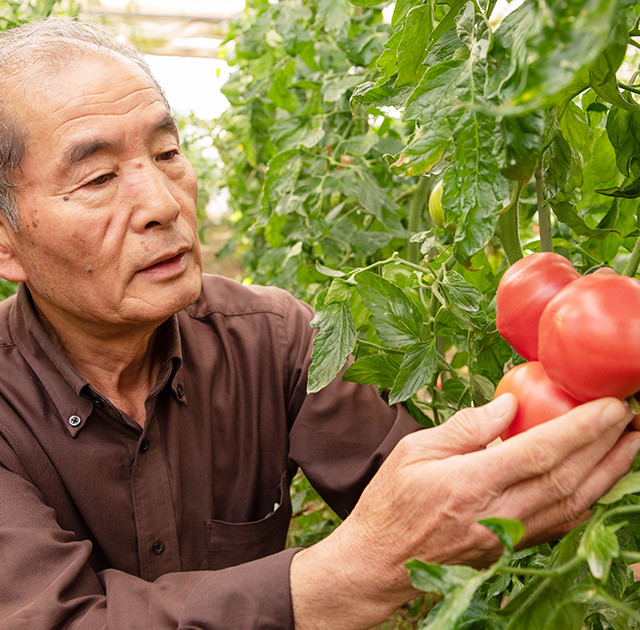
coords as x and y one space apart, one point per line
182 523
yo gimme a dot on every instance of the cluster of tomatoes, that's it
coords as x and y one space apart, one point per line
579 334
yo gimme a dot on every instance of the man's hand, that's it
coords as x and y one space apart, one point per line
427 497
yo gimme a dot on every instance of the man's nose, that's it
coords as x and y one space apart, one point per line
153 199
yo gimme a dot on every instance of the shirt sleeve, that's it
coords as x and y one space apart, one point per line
46 581
340 435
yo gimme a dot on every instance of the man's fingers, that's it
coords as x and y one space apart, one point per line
577 482
470 429
599 481
541 449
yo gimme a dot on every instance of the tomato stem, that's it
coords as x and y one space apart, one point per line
508 229
634 404
416 212
544 215
631 267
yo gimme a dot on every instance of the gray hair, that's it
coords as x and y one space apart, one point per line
32 49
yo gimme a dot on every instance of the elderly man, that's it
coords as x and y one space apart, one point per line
151 419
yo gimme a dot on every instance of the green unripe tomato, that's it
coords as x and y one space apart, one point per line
435 205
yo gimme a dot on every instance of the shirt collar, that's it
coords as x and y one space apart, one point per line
72 394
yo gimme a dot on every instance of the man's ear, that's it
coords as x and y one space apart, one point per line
10 266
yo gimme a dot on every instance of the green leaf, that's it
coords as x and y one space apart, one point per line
374 369
519 144
460 293
397 319
630 191
338 291
327 271
417 368
411 49
457 392
337 86
509 531
332 345
430 577
623 129
629 484
599 546
458 585
447 104
280 92
551 44
482 389
336 15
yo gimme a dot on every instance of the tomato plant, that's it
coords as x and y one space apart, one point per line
539 398
529 118
590 337
523 292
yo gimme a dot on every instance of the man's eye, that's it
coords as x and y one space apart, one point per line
168 155
103 179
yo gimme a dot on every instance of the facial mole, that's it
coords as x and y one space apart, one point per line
34 224
66 197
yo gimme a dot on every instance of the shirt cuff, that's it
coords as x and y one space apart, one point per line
254 595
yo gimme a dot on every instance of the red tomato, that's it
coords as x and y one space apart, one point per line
523 292
539 399
590 337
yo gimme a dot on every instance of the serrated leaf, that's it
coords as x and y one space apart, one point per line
457 392
447 104
411 49
599 546
630 191
457 583
327 271
332 345
623 129
460 293
553 43
519 144
375 369
397 319
629 484
337 86
482 389
338 291
416 370
509 531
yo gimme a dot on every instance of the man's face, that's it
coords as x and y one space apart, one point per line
107 200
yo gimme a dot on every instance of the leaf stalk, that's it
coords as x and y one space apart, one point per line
544 215
508 229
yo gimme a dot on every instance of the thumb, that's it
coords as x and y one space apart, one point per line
473 428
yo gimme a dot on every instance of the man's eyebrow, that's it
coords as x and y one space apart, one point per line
82 150
167 123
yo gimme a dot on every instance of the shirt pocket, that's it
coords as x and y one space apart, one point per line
230 544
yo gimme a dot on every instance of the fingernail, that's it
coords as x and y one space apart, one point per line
614 413
501 405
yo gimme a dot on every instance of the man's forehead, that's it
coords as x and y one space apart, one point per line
72 103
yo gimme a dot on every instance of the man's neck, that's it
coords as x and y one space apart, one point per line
120 364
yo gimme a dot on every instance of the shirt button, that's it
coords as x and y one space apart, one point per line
180 391
144 446
74 421
157 547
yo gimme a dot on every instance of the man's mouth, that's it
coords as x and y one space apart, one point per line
166 262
